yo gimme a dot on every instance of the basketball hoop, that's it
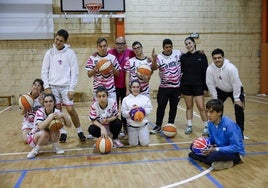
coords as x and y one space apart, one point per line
93 10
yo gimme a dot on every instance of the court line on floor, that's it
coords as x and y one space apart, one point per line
189 179
257 101
5 109
91 148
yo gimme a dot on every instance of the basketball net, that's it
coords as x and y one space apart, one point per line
93 10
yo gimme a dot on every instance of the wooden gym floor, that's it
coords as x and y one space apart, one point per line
164 163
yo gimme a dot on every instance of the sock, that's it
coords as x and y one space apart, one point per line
37 148
79 129
205 123
189 123
55 145
62 131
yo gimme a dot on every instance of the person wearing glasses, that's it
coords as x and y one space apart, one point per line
132 65
40 135
60 75
122 54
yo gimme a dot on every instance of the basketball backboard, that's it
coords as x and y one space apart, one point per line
79 5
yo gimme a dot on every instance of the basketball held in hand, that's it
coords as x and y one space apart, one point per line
55 125
137 114
26 101
200 144
104 66
144 72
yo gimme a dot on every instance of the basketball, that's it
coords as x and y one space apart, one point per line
169 130
55 125
26 101
200 144
144 72
104 145
137 114
104 66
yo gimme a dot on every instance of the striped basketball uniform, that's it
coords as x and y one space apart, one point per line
131 66
28 120
103 80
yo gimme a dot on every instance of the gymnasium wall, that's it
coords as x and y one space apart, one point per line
234 26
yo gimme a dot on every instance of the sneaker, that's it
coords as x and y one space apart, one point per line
63 137
205 132
82 137
220 165
59 151
90 136
156 129
122 134
188 130
117 143
32 154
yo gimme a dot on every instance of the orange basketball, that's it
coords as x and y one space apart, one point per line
169 130
26 101
55 125
104 145
104 66
144 70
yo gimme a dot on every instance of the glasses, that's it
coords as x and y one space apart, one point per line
137 48
120 43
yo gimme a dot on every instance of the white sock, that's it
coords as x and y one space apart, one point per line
79 129
37 148
63 131
55 145
189 123
205 123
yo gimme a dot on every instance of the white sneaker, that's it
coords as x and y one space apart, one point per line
117 143
32 154
122 134
59 151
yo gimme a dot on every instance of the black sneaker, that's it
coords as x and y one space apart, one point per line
156 129
63 137
82 137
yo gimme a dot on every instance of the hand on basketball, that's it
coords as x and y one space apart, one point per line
104 132
206 152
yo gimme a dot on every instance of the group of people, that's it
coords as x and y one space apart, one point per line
117 93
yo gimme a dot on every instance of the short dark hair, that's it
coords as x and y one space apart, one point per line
167 41
135 43
100 40
217 51
215 104
63 33
101 89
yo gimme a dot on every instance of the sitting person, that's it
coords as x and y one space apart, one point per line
28 115
104 116
40 135
138 131
227 147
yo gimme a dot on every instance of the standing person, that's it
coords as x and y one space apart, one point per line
138 132
223 81
28 120
122 54
40 134
227 147
193 83
60 76
169 65
104 117
92 70
132 65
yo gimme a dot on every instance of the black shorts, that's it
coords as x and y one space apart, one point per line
192 90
